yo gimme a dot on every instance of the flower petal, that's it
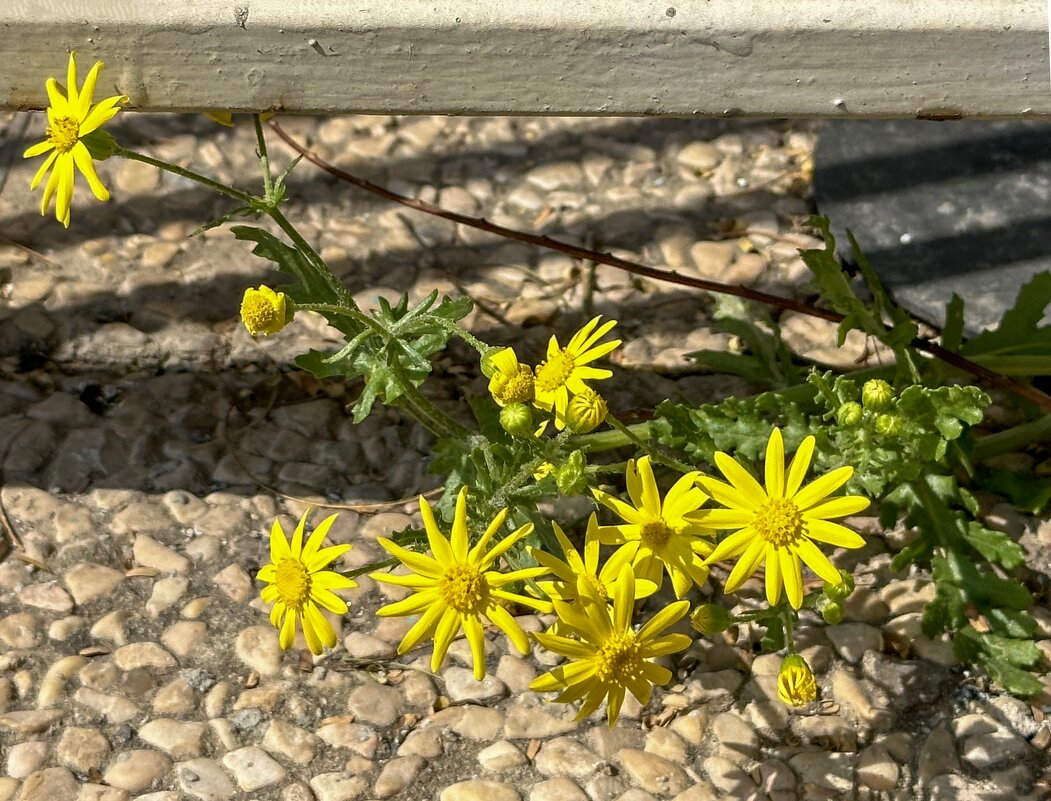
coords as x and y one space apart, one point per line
663 619
797 469
741 480
775 465
458 538
732 545
473 629
834 534
838 507
421 628
773 577
448 628
322 558
821 488
413 605
316 538
417 562
746 565
440 546
817 561
792 576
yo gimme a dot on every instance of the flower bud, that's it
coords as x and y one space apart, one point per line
100 144
832 612
517 420
849 414
842 590
570 478
889 425
711 619
796 685
264 311
585 412
877 394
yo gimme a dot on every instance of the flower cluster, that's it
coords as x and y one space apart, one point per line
558 385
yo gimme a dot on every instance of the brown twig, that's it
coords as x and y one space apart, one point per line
989 376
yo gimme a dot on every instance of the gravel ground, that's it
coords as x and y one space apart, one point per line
143 435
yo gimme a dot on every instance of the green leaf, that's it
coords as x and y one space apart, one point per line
309 285
1029 493
1021 330
952 331
995 546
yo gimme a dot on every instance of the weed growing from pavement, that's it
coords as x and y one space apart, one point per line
899 435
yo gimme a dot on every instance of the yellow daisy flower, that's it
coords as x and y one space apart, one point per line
659 535
780 523
586 411
607 658
263 311
566 369
578 575
455 589
71 118
298 585
796 685
510 382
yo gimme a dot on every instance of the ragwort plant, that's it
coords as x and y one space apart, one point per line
899 436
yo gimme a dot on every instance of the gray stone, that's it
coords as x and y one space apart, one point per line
338 786
876 770
204 779
823 772
461 686
565 756
653 773
25 758
852 640
290 741
49 784
179 739
374 703
557 789
259 649
253 768
136 770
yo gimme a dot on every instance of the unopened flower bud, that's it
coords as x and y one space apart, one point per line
842 590
796 685
570 478
264 311
877 394
517 420
585 412
849 414
711 619
889 425
832 612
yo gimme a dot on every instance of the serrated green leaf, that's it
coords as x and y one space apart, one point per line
308 285
1010 623
1020 329
1029 493
994 545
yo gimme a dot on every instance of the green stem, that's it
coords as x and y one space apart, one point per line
175 169
466 336
446 426
788 622
268 179
304 247
628 434
1012 439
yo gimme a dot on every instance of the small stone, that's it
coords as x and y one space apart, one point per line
530 717
343 733
737 740
183 636
142 655
290 741
821 772
461 686
253 768
606 742
424 742
653 773
82 750
50 784
479 790
338 786
398 774
150 553
557 789
166 593
556 175
728 776
365 646
25 758
297 792
175 698
700 156
53 685
865 700
100 792
234 582
907 595
204 779
176 738
479 723
666 743
827 731
991 750
20 631
32 721
49 596
564 756
501 755
8 786
515 672
136 178
375 703
114 708
876 769
136 770
258 647
112 627
938 754
62 630
195 608
713 259
852 640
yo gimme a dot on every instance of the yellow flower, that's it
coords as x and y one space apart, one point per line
544 470
454 588
796 685
586 411
71 118
511 382
659 536
780 523
565 369
607 658
578 576
263 311
298 584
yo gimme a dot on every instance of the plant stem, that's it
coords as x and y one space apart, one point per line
669 461
1012 439
788 622
175 169
304 247
445 425
268 179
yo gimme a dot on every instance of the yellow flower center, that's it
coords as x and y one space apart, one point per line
655 533
259 314
554 373
293 582
63 133
463 588
516 388
618 660
779 522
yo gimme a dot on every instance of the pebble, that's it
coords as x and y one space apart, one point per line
183 636
50 784
82 750
398 774
461 686
258 648
557 789
374 703
204 779
479 790
166 593
728 776
423 742
49 596
821 772
20 630
830 732
150 553
30 721
852 640
988 750
112 627
142 655
653 773
25 758
346 734
290 741
178 739
699 156
565 756
100 792
737 740
863 699
338 786
501 755
137 769
234 582
253 768
528 717
877 770
53 685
